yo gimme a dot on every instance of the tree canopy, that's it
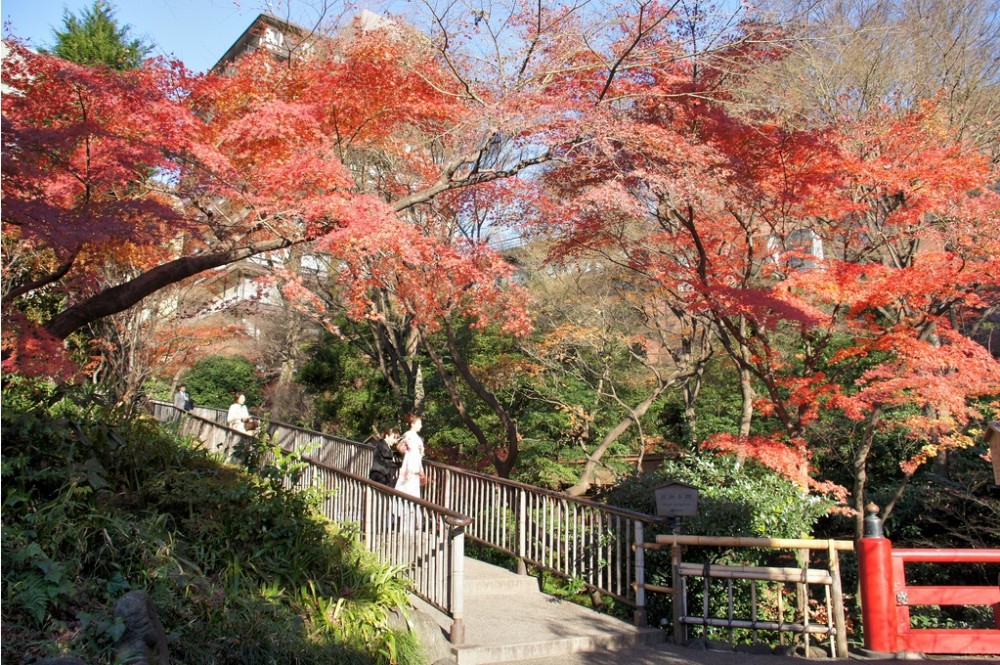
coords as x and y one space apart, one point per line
96 38
835 257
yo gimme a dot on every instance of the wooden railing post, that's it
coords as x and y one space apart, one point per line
680 596
836 592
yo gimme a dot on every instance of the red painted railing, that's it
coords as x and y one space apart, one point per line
886 598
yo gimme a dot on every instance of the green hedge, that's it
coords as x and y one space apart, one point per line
241 570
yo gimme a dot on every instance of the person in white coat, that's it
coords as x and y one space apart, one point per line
411 471
238 415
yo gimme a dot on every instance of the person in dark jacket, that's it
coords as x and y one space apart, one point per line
385 465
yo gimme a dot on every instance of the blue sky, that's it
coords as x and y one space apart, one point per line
197 32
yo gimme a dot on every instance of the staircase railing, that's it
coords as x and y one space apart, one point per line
577 539
425 540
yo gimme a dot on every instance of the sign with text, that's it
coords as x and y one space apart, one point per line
676 500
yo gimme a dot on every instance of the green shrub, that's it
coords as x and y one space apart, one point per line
733 500
215 381
241 570
351 397
746 500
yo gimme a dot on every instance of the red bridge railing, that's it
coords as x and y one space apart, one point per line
886 598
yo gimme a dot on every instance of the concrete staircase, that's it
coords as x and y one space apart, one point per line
508 619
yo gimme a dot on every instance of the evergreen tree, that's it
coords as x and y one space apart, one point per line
95 38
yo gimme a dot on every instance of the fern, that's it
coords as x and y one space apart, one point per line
31 595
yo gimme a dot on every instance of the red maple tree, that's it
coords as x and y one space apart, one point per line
173 175
723 216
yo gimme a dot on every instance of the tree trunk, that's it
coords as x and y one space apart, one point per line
692 387
861 472
121 297
747 395
746 387
393 347
890 505
418 390
593 459
503 465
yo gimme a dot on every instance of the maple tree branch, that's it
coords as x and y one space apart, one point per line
446 56
728 331
687 220
639 35
891 504
504 466
447 182
368 120
41 281
534 42
748 235
121 297
457 401
861 455
583 485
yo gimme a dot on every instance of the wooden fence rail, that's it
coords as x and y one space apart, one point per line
835 626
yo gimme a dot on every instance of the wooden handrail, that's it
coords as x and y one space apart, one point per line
742 541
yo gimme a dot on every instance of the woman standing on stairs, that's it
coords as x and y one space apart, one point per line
411 472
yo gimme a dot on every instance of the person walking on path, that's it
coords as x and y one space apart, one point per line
182 400
238 415
387 460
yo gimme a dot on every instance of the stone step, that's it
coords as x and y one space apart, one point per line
551 648
520 622
483 579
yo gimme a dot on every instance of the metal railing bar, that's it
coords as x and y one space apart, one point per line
435 567
568 536
484 476
715 622
455 518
